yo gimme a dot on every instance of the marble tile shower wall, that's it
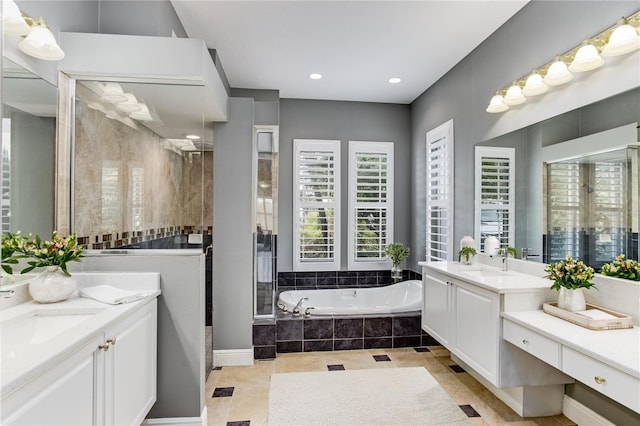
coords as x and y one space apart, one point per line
129 189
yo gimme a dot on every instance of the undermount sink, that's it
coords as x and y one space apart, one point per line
486 273
40 325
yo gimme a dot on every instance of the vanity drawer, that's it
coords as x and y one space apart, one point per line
529 341
607 380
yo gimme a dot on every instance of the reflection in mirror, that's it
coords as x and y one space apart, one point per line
592 207
141 166
529 143
28 146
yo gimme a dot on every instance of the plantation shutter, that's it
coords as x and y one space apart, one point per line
370 204
316 199
439 197
495 195
564 210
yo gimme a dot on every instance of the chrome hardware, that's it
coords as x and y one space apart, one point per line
599 380
7 293
296 310
307 314
283 307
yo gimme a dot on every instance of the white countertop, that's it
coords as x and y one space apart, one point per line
618 348
495 280
21 363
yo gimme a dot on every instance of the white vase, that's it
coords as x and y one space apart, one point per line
52 285
571 299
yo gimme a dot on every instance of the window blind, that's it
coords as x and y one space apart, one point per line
370 203
316 203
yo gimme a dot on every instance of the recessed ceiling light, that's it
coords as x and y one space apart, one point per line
395 80
192 137
315 76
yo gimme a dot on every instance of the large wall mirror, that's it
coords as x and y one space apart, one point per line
142 166
29 106
605 188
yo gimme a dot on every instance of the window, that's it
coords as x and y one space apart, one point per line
439 177
494 195
370 204
316 205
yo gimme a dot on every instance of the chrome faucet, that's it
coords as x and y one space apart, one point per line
307 312
504 254
296 310
7 293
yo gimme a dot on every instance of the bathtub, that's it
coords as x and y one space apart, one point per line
405 296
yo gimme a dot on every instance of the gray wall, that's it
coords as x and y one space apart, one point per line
532 37
512 51
232 228
180 324
32 177
344 121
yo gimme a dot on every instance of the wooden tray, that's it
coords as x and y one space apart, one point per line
620 320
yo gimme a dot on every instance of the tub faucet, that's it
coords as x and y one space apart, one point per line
307 312
296 310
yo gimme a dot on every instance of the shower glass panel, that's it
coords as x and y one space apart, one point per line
592 207
266 222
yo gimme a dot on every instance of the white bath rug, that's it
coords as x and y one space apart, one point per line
385 396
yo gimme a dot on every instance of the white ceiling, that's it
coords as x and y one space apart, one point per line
356 45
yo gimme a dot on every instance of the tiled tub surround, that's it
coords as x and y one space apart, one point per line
128 187
339 279
288 334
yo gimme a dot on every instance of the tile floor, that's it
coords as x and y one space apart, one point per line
239 396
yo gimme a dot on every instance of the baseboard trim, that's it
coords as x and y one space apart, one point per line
581 414
232 357
181 421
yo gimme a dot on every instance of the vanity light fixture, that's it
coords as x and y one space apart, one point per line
12 20
621 38
587 58
514 95
395 80
624 39
130 105
534 85
192 137
113 93
40 42
315 76
143 114
557 73
497 104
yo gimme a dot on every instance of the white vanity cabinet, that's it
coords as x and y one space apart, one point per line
462 309
109 381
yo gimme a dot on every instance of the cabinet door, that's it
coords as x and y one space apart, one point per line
476 329
436 309
130 368
65 395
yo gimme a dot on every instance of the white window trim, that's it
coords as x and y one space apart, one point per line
332 146
494 152
355 147
443 131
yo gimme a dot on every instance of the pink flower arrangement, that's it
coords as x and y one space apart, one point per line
570 273
628 269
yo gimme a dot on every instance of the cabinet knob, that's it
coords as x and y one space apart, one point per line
112 341
599 380
104 347
525 342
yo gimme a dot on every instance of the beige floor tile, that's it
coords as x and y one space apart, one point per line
250 400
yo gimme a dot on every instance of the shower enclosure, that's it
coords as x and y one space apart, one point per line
592 207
